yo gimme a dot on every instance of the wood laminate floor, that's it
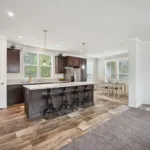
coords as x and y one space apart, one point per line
18 133
123 99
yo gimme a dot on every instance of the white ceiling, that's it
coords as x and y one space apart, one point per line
104 25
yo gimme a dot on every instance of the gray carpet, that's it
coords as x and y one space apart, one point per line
127 131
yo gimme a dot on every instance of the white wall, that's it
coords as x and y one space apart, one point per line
92 68
134 50
3 64
36 50
139 72
16 76
101 69
145 72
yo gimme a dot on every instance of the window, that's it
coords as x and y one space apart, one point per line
111 70
117 70
30 65
45 70
33 65
123 70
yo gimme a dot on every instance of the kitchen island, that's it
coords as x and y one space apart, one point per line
35 103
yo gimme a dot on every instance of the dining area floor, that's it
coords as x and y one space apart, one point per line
17 132
112 91
123 99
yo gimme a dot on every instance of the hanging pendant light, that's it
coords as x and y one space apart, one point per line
83 50
44 61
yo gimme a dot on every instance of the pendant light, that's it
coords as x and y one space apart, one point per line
83 50
44 61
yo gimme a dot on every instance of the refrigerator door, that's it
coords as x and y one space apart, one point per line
77 75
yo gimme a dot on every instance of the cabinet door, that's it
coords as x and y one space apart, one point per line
13 94
77 62
69 61
59 64
13 61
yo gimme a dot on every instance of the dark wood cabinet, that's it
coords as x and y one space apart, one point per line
14 94
72 61
59 64
76 62
69 61
83 62
13 61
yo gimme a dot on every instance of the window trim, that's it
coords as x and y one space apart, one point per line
38 53
50 66
117 67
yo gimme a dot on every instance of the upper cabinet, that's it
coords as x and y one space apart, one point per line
60 64
13 61
72 61
69 61
76 62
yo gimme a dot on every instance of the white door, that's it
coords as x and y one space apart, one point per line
3 74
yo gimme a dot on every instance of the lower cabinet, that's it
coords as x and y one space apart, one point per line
14 93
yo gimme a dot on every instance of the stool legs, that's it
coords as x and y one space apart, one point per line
87 99
49 109
66 104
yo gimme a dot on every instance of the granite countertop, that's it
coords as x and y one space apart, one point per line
33 82
55 85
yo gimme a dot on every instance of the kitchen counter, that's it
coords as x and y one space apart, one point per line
16 82
56 85
35 103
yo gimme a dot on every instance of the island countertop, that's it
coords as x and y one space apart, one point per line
55 85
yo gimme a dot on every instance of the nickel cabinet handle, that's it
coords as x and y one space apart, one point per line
2 83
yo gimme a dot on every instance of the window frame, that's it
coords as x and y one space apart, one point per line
29 65
117 68
45 66
38 53
118 73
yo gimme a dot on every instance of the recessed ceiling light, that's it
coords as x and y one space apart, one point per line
57 45
10 14
20 37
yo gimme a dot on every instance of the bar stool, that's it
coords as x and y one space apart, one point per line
79 95
49 109
53 102
88 99
68 101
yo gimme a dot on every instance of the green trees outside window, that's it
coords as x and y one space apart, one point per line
30 64
33 65
45 70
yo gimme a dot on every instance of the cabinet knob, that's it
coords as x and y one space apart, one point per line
2 83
